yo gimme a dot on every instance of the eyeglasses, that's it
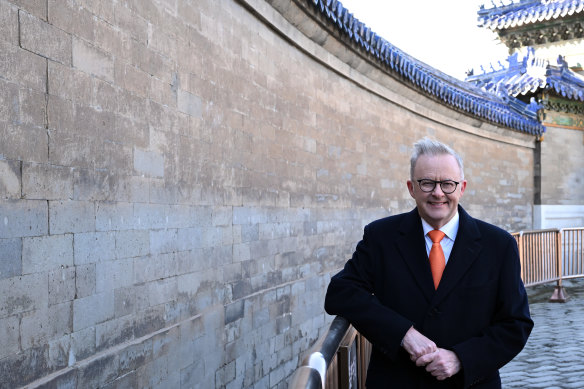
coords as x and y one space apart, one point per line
447 186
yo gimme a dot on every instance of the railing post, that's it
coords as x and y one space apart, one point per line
559 295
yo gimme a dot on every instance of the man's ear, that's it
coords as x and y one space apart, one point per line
411 187
462 187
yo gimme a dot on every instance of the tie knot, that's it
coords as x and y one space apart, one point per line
436 236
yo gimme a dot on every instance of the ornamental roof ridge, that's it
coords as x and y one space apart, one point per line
515 14
530 75
496 108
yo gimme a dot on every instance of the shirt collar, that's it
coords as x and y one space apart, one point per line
450 228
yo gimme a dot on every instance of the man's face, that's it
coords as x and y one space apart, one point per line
436 207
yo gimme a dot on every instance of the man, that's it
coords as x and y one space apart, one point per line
451 323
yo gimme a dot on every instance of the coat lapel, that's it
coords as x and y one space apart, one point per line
412 247
465 251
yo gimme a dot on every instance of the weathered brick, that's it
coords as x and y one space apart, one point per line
23 294
92 310
44 181
46 253
9 334
33 76
189 103
69 83
85 280
10 258
8 23
150 163
71 216
37 8
94 247
92 60
71 18
10 179
132 243
62 285
23 218
44 39
114 216
46 323
163 241
131 299
111 275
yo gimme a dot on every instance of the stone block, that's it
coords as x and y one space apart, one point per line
9 23
10 179
25 143
32 108
71 216
37 8
162 291
47 323
150 268
111 216
23 294
163 241
85 280
132 243
45 253
33 75
44 39
9 336
17 371
72 18
114 332
150 163
149 216
68 83
62 285
110 275
94 247
47 182
83 343
10 257
189 103
130 300
99 371
92 310
92 60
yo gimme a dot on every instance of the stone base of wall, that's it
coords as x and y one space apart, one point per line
558 216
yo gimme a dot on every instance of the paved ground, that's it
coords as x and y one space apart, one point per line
554 355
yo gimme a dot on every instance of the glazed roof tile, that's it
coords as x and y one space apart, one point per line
496 108
530 75
526 12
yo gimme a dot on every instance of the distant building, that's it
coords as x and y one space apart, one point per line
546 42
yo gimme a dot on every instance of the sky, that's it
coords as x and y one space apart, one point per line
443 34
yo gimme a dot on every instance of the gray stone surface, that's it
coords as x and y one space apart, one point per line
554 352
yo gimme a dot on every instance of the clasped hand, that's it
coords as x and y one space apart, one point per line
439 362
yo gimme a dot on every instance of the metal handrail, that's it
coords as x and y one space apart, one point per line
312 373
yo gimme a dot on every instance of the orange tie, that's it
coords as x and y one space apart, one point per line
437 260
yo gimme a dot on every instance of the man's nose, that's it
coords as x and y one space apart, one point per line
438 190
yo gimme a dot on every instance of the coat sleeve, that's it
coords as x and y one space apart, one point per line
351 294
510 327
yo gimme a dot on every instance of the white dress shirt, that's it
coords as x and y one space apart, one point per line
450 229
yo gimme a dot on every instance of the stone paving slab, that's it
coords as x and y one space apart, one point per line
553 357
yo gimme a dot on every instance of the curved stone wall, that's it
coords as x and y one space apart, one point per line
179 181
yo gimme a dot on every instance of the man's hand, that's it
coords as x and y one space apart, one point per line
441 364
417 345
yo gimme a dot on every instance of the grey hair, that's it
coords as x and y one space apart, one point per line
427 146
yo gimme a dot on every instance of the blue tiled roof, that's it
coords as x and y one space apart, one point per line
530 75
500 109
526 12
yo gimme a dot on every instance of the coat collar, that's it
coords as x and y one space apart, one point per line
412 247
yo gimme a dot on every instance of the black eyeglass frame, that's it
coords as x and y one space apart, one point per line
438 182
